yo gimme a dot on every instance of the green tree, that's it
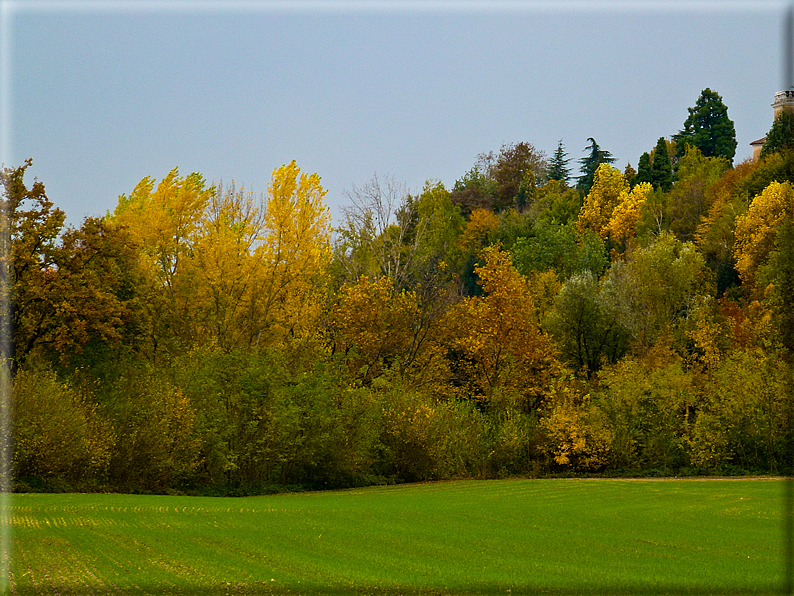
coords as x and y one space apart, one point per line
644 173
590 163
691 196
59 432
556 202
584 327
708 128
558 165
656 288
475 190
781 136
662 168
516 171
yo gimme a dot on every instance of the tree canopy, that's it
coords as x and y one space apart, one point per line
589 164
708 128
208 339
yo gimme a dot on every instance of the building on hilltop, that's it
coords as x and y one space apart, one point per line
784 101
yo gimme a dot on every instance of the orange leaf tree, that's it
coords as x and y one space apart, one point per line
498 343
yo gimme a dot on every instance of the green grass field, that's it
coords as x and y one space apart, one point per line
473 537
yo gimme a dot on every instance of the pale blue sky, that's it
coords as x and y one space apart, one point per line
101 94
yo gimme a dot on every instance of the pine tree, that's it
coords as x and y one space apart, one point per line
558 165
661 168
708 128
590 164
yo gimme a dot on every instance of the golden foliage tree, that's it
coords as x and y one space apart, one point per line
295 251
756 229
226 268
481 223
612 208
498 337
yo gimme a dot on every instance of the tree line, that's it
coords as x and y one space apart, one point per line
209 340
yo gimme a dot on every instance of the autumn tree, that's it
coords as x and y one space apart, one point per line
756 229
67 287
502 181
225 267
164 221
715 234
475 190
611 209
691 197
498 344
375 327
226 260
295 252
517 170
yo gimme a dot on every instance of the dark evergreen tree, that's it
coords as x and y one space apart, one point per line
708 128
781 136
558 165
644 173
661 167
589 165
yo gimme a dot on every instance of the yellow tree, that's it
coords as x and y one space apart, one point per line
612 208
498 337
373 326
165 221
294 253
225 268
623 223
224 260
481 223
756 230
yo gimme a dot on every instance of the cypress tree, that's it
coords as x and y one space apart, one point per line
662 167
644 173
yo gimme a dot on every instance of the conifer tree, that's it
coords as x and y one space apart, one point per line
644 173
558 165
708 128
661 167
590 164
781 135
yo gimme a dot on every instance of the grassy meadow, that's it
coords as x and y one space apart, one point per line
562 536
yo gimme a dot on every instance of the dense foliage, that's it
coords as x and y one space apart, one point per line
203 338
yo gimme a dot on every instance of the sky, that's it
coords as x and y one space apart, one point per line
101 94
